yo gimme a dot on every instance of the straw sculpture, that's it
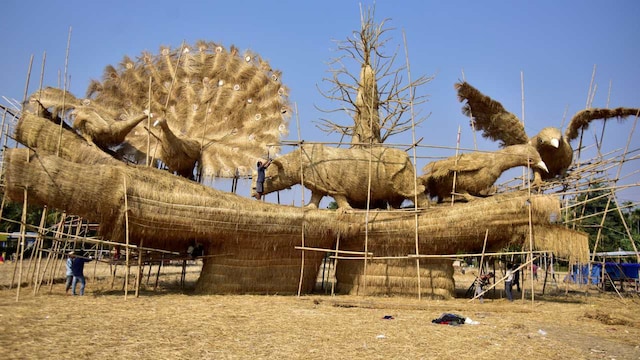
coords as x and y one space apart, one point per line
215 109
344 175
476 172
251 243
555 148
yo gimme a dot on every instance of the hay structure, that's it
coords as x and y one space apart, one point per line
251 245
253 242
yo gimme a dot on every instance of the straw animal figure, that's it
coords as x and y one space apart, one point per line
216 110
344 175
554 147
476 172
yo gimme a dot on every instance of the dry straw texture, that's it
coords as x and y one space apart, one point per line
348 175
103 325
251 243
216 107
169 212
396 277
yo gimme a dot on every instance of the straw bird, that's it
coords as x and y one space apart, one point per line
476 172
554 147
347 175
221 110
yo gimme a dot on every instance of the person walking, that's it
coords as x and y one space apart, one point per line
77 268
508 283
69 273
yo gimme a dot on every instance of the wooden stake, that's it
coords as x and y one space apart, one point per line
139 269
335 266
23 226
126 232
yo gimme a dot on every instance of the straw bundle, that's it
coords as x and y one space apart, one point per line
397 277
562 241
45 136
344 175
367 117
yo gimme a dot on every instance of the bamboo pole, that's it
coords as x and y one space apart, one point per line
335 266
523 114
302 186
147 159
155 286
306 248
455 173
415 165
64 93
126 232
53 257
530 210
23 222
138 278
97 256
37 250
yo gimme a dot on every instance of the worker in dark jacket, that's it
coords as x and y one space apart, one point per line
77 268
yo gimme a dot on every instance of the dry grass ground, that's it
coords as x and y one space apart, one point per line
174 323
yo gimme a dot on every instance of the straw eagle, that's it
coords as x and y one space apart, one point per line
554 147
219 109
476 172
345 175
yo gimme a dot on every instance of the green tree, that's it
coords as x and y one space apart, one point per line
589 218
12 213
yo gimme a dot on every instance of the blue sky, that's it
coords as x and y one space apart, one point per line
554 44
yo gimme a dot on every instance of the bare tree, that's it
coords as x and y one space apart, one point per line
378 100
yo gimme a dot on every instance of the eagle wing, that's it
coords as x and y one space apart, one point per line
582 119
491 117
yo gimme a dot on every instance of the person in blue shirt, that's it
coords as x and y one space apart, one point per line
77 268
69 271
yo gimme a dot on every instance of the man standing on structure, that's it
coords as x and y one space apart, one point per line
261 176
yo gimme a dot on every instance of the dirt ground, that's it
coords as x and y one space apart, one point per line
171 322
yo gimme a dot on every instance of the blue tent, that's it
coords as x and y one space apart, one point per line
616 271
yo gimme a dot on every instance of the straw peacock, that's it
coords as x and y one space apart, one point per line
476 172
213 109
554 147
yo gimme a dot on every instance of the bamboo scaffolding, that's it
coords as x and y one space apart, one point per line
531 260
